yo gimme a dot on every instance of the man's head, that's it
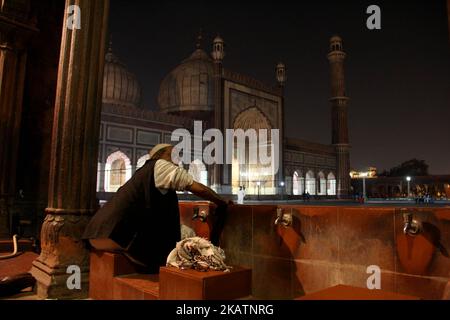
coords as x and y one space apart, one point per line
161 151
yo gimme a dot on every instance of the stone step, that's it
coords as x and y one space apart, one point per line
136 287
113 277
104 267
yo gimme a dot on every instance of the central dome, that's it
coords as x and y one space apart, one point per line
188 89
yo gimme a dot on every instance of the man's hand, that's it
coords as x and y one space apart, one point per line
206 193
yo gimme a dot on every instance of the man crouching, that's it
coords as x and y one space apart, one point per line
142 219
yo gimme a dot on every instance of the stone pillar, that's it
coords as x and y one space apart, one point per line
101 177
74 154
15 30
217 181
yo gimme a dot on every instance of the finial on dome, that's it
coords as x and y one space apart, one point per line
198 44
110 43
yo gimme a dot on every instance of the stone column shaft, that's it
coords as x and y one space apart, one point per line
218 121
74 153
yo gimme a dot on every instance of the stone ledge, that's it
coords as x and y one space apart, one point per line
177 284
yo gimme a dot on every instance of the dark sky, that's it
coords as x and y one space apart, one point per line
398 78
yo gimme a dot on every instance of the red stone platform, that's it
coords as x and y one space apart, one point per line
176 284
343 292
113 277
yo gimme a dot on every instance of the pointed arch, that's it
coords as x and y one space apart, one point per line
310 182
298 183
331 184
117 171
322 184
256 178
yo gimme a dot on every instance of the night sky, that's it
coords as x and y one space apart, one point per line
398 78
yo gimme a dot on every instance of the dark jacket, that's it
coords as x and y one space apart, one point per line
140 218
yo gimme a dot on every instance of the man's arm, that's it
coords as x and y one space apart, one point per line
206 193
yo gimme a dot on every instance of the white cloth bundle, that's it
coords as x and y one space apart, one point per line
199 254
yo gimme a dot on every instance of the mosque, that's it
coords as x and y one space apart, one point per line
201 88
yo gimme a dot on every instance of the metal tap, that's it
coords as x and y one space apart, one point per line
200 214
284 219
411 226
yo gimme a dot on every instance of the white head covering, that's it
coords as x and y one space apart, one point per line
157 148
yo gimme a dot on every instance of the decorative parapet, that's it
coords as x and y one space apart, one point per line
251 82
308 146
148 115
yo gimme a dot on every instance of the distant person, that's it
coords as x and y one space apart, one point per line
241 195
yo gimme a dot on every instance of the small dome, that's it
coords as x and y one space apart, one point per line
120 86
335 38
335 43
189 87
218 39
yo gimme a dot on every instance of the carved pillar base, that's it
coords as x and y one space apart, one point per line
62 247
50 283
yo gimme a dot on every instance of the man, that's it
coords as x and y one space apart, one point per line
241 195
142 219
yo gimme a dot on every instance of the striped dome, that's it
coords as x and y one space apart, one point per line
120 87
189 87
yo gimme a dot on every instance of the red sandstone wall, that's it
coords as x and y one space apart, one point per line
327 246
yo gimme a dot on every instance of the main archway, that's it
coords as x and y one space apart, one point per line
257 178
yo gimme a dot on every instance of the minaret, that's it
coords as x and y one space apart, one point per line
280 74
339 116
218 53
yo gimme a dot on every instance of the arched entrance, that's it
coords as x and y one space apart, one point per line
331 184
298 183
322 190
310 183
117 171
256 178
